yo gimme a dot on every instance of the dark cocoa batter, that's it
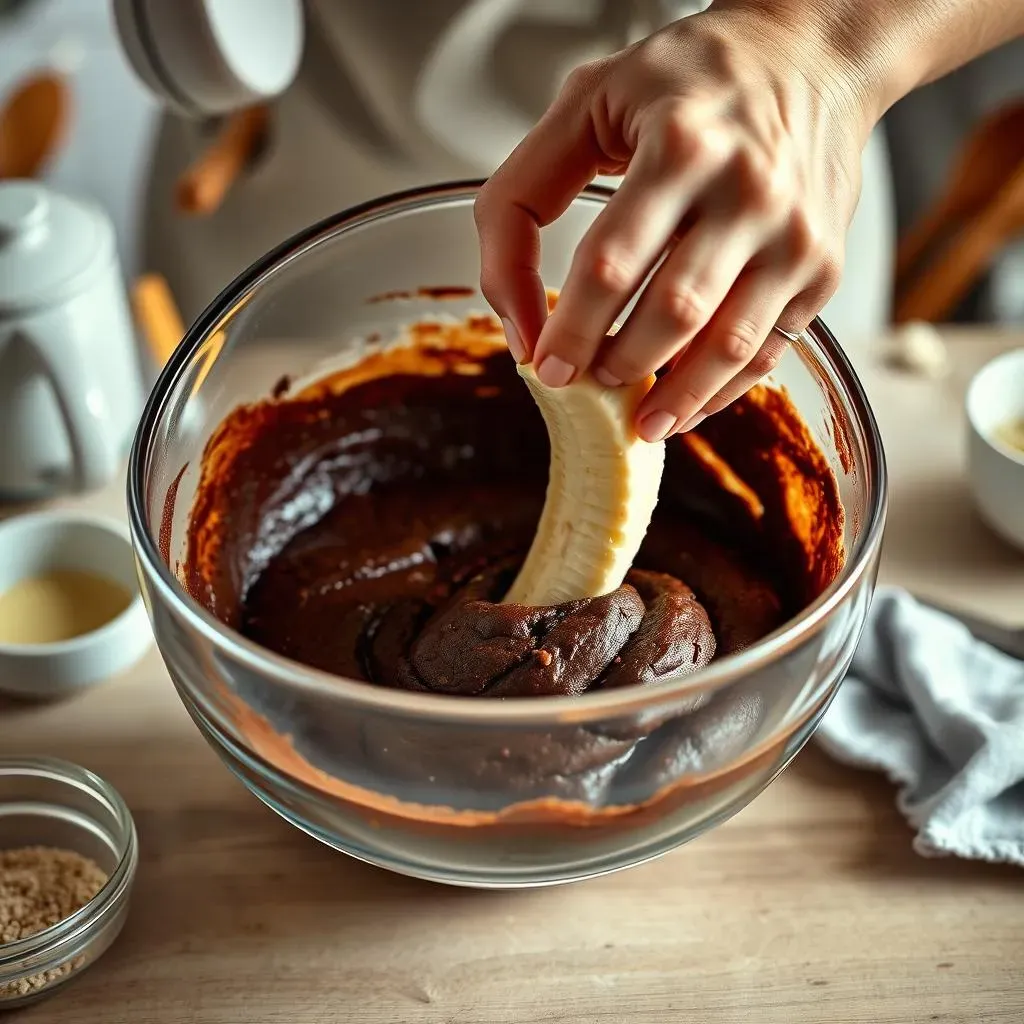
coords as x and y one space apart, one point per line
370 524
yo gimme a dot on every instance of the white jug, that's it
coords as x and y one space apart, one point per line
70 391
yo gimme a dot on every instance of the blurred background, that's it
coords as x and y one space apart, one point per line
374 109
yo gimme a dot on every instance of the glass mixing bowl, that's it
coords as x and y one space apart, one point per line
286 730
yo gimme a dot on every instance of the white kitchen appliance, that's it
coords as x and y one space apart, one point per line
70 392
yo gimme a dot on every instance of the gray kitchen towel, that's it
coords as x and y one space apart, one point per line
942 714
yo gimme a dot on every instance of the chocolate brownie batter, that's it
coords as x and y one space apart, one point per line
370 524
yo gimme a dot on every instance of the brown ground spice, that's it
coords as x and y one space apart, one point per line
39 887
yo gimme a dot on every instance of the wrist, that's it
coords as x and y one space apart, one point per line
851 47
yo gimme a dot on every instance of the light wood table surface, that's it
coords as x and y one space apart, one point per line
809 906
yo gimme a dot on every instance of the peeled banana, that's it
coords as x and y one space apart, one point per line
602 489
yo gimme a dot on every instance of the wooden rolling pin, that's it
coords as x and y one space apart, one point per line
202 188
157 315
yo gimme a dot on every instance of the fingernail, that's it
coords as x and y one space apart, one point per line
514 342
555 372
609 380
692 422
656 425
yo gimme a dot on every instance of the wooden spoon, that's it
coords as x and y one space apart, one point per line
32 125
988 159
202 188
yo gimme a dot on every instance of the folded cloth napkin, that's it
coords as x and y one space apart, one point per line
942 714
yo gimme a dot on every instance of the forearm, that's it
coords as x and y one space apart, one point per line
893 46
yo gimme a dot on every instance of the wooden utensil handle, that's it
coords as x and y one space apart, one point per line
941 285
920 237
34 121
157 315
202 188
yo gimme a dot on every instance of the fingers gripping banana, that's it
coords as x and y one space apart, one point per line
602 488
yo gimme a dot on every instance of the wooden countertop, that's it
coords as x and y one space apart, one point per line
808 906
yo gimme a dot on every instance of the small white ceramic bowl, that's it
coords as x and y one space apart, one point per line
995 470
47 541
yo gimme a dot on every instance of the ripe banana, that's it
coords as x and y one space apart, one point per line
602 488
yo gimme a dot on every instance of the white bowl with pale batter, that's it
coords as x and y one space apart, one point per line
71 614
995 463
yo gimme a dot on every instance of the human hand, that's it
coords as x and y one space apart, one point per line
739 135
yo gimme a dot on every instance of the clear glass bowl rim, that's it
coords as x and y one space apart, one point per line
77 927
525 710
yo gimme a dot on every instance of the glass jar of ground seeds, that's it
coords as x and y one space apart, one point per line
68 855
